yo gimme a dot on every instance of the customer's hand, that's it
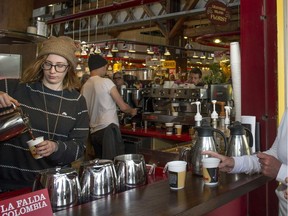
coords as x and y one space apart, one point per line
6 100
269 165
226 163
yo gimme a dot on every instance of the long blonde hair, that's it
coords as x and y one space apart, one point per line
34 73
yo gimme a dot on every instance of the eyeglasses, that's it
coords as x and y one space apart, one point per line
60 68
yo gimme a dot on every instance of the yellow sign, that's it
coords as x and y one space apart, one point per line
169 64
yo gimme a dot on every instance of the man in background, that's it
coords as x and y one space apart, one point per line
102 97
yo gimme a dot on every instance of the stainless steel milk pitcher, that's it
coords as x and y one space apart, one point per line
98 178
12 122
205 141
238 144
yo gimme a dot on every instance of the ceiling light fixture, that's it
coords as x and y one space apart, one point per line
83 53
109 54
126 55
78 67
188 46
210 57
154 58
217 40
131 49
97 50
124 45
114 48
167 53
107 46
162 59
203 56
150 50
195 55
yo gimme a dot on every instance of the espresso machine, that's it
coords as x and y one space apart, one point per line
173 104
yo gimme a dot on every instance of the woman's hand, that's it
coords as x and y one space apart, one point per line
46 148
226 163
6 100
269 165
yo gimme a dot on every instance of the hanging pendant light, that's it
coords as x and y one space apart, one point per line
195 55
167 53
162 59
210 57
150 50
97 50
203 56
109 54
131 49
78 67
107 47
188 46
154 58
126 55
83 53
91 50
114 48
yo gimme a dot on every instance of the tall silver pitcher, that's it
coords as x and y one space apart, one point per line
238 144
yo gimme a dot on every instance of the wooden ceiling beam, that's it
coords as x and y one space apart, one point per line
175 30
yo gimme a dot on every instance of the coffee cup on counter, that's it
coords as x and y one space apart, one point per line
174 113
177 174
169 128
175 107
178 128
210 170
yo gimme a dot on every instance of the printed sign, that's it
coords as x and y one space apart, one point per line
33 204
169 64
217 12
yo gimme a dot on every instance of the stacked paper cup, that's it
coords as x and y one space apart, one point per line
235 61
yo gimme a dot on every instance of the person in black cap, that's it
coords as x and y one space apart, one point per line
102 97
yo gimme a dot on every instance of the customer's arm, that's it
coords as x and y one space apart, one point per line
124 107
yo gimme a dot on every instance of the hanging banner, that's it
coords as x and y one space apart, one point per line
217 12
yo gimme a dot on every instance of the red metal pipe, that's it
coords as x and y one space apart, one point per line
113 7
206 39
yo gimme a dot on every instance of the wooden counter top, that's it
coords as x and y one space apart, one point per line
157 199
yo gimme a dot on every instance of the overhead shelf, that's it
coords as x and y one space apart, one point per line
15 37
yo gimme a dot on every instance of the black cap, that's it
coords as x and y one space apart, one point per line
96 61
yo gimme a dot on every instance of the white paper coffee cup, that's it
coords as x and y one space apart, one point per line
169 128
210 170
178 129
32 146
177 174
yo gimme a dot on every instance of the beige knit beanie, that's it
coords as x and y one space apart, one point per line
63 46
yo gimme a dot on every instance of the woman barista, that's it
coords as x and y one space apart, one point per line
47 94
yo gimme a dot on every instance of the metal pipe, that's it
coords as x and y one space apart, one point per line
113 7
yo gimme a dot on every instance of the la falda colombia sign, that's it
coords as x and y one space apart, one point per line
31 204
217 12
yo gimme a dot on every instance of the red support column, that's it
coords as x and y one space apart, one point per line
259 85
